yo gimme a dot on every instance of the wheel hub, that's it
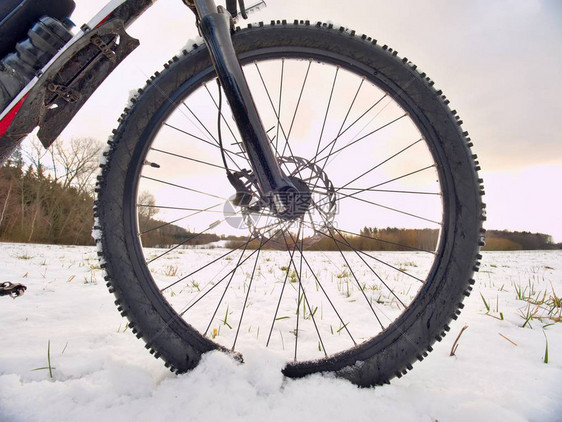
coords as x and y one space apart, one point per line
305 213
292 203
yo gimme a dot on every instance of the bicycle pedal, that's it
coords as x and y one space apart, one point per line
12 289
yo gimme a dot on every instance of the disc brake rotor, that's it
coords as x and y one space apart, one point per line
308 226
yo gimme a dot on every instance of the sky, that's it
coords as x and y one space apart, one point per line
499 63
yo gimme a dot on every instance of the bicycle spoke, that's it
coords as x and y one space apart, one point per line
327 111
396 178
381 163
375 258
228 152
182 187
326 295
333 142
187 158
247 295
354 196
217 143
298 301
279 125
334 153
183 243
409 192
305 302
391 209
358 284
297 106
226 288
368 266
222 115
310 311
282 289
349 127
386 242
179 219
214 286
165 207
222 279
203 267
279 105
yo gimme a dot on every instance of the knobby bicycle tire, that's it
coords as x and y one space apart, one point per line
409 337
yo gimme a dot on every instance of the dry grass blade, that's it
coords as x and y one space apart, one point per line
508 339
455 344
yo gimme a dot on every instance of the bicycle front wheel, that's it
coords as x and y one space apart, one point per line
363 279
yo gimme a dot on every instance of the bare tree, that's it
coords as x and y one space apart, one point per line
36 155
146 203
46 196
78 162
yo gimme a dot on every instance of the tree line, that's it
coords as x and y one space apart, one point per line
48 198
505 240
400 239
380 239
160 234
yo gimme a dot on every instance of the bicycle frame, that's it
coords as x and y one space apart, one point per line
83 63
50 104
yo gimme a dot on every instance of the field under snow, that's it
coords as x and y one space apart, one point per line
100 371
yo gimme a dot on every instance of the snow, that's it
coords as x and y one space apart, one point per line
190 45
101 371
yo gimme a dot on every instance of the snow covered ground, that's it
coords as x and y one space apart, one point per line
100 371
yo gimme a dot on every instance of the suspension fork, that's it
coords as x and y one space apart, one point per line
215 27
